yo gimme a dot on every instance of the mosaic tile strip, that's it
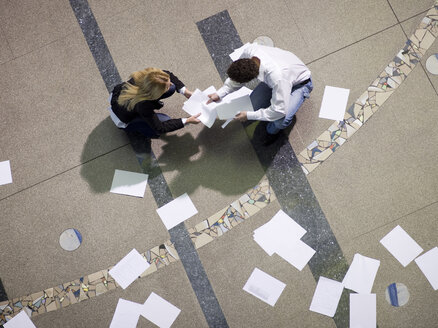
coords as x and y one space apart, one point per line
100 282
229 217
86 287
376 94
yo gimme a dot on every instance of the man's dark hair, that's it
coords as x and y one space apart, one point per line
243 70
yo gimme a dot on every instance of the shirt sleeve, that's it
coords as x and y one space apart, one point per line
148 114
174 79
279 103
228 87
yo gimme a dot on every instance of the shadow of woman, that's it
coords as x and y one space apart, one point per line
104 151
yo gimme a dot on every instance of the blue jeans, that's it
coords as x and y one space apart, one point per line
261 98
140 125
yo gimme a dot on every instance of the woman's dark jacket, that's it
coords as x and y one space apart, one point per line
146 109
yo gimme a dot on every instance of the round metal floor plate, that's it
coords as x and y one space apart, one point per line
70 239
264 41
432 64
397 294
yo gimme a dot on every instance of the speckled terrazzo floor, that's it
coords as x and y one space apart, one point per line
64 57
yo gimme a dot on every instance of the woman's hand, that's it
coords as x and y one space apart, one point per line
213 97
187 93
193 119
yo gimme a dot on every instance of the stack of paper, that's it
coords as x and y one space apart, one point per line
282 235
401 246
177 211
21 320
5 173
155 309
233 103
129 268
197 103
226 109
264 287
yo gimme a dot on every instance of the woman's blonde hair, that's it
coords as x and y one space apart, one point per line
149 84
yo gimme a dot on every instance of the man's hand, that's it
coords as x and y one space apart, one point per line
193 119
188 93
213 97
242 117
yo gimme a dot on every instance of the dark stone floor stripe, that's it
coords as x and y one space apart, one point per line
96 43
160 190
282 168
3 295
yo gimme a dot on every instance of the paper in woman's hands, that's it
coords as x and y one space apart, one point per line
197 103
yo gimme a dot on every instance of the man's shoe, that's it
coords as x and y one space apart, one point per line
271 138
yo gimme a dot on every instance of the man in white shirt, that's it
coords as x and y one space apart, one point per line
285 84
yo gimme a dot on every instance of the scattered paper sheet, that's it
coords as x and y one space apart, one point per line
177 211
129 183
401 245
5 173
296 253
428 264
21 320
264 287
126 315
159 311
129 268
326 297
280 228
363 311
235 55
334 103
197 103
361 274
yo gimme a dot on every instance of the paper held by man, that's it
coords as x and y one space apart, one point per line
226 109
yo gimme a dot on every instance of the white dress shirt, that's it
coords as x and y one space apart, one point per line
280 70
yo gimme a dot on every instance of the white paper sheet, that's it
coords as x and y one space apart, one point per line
159 311
428 264
129 183
334 103
129 268
197 103
361 274
235 55
126 314
21 320
296 252
177 211
401 245
363 311
280 228
227 110
5 173
223 126
326 297
264 287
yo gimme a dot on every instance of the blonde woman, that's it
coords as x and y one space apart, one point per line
133 103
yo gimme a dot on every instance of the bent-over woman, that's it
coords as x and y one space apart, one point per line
133 103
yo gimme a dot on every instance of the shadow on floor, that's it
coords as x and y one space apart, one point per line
102 154
217 159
